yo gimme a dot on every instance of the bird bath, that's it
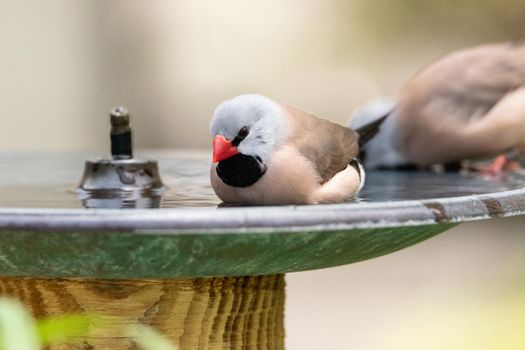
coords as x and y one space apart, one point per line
206 276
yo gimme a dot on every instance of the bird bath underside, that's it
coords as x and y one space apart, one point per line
207 276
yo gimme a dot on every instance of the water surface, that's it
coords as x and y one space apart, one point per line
49 181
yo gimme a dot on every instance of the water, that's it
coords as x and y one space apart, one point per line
49 181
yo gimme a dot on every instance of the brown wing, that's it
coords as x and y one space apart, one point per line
459 89
329 146
466 84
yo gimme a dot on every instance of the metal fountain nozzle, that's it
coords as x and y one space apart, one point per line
122 181
121 138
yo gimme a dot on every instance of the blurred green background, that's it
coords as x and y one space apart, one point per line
65 63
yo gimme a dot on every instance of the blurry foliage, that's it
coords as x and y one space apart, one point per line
17 328
61 329
19 331
393 39
484 20
468 323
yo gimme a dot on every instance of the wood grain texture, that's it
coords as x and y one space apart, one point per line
201 313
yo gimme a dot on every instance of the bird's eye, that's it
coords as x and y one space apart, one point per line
241 135
244 132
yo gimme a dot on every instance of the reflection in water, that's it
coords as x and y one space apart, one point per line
121 184
187 183
120 199
409 185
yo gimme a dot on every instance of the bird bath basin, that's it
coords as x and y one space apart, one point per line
207 276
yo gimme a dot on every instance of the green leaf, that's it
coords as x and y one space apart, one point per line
148 338
69 327
17 328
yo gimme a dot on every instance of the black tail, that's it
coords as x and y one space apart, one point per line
368 131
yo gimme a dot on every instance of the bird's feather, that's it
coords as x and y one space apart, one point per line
328 146
368 131
470 81
454 93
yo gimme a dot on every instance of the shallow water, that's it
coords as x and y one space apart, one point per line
49 181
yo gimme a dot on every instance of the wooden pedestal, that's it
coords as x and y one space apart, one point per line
200 313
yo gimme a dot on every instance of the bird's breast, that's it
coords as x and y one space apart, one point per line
240 170
289 179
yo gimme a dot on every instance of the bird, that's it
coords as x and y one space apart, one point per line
267 153
467 105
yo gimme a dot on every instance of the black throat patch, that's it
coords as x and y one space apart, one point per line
241 170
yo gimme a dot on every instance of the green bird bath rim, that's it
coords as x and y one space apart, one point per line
230 241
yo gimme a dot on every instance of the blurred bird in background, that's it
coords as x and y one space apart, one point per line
468 105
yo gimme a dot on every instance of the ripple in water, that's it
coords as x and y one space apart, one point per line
187 185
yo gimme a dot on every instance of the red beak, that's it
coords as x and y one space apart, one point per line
223 149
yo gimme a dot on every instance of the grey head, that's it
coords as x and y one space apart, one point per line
381 150
257 119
